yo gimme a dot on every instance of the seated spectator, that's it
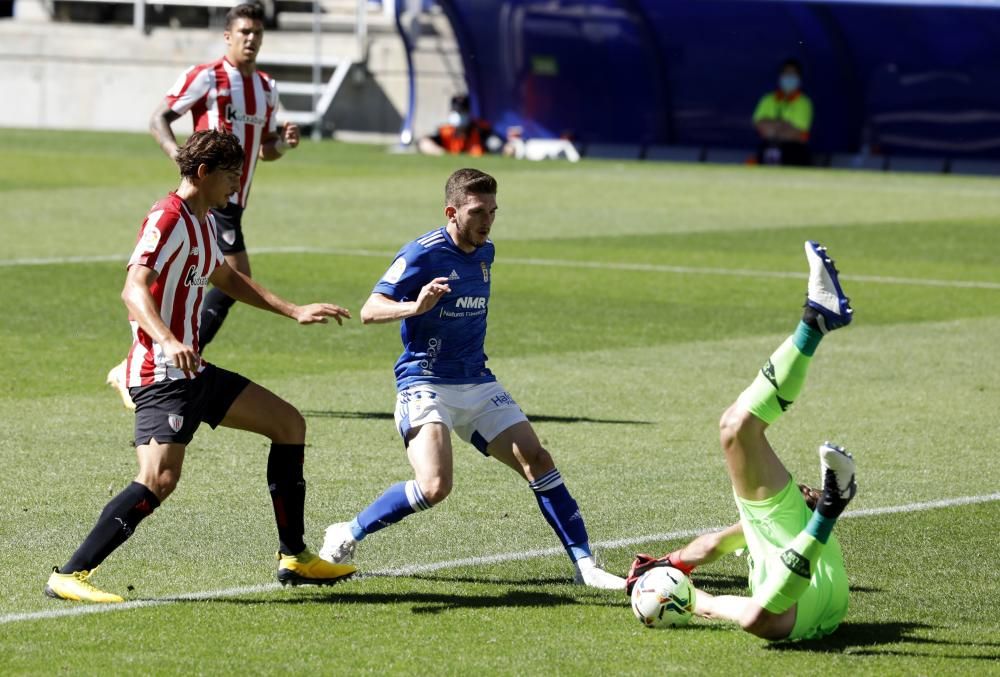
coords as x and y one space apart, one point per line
783 119
462 133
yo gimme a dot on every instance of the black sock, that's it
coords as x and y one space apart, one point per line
213 313
809 316
288 494
118 520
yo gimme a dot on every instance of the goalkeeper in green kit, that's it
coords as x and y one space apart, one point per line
797 580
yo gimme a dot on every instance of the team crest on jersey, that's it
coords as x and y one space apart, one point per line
175 421
395 271
229 236
150 238
486 271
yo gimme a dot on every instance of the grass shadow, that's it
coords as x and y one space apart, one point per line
420 602
721 584
863 639
540 418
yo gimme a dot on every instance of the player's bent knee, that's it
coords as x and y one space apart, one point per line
736 426
729 427
538 461
290 426
162 483
436 489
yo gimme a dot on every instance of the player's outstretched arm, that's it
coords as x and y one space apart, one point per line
381 308
242 288
711 546
159 127
747 613
142 307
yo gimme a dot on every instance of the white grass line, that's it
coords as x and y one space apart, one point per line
744 272
78 610
561 263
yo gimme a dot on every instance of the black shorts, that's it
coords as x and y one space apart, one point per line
229 221
171 411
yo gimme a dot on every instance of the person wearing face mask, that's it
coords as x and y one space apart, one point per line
461 133
783 119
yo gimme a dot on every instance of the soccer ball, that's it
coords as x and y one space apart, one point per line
663 597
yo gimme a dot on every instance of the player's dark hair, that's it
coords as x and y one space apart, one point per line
246 10
810 495
465 182
212 148
792 63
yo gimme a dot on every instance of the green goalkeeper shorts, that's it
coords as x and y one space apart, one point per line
769 527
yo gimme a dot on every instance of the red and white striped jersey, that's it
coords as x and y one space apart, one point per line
184 252
220 97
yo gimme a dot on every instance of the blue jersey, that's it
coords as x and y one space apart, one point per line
445 344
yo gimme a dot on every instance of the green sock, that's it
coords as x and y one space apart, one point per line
806 338
780 380
785 584
821 527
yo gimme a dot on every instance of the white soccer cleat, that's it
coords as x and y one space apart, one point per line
591 575
338 543
824 294
839 486
116 379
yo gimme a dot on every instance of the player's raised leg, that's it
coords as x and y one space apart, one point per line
258 410
429 451
519 447
755 470
116 379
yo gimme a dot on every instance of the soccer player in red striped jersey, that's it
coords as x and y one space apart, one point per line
175 390
231 95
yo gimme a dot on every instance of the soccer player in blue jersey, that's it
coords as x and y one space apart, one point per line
439 286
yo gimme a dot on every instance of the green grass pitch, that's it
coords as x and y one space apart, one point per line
631 303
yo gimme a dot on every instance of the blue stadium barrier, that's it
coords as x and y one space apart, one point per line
730 156
675 153
613 151
977 167
917 164
918 78
857 161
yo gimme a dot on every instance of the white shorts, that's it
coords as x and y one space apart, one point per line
478 412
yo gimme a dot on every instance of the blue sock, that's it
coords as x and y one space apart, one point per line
398 501
562 513
806 339
820 527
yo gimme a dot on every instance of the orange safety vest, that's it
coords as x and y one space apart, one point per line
454 142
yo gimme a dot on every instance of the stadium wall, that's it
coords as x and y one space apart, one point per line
102 77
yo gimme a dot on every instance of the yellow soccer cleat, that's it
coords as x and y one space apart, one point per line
306 568
116 379
77 588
